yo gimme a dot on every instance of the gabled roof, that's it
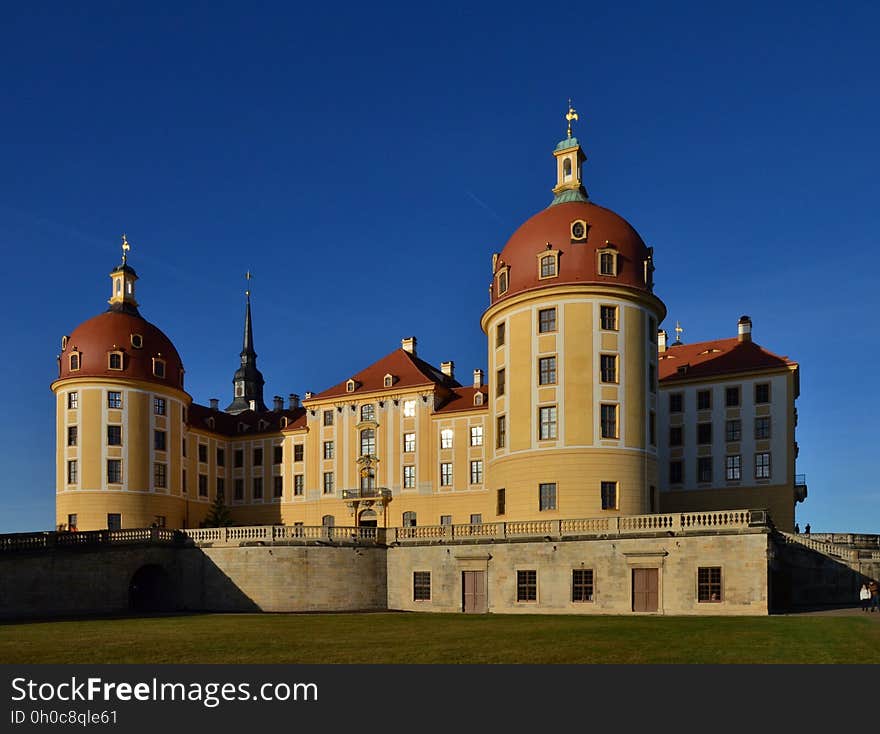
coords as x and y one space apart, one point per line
227 424
718 357
462 398
407 369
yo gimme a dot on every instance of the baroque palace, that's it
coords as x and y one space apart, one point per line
586 409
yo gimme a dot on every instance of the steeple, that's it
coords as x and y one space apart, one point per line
248 380
569 158
122 279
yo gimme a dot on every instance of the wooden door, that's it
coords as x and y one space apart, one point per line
473 592
645 587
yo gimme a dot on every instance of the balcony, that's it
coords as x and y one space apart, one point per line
800 487
367 493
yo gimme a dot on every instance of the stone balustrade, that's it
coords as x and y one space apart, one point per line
88 539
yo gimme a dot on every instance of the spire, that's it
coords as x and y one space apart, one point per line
123 278
248 380
569 158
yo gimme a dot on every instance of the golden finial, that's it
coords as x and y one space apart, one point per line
125 248
678 331
570 115
248 277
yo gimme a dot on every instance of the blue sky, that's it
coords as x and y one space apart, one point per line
364 161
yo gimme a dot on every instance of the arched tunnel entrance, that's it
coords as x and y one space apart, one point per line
151 590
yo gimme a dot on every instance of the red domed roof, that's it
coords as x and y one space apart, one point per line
113 331
578 261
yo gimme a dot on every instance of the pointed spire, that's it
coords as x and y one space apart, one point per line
248 343
248 380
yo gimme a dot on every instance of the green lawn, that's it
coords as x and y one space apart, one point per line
443 638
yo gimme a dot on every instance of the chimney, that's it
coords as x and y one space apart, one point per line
293 399
448 369
408 344
215 403
662 336
309 394
278 403
478 378
744 329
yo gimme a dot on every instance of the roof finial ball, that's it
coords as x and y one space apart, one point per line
570 116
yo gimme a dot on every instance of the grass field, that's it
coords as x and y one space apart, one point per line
442 638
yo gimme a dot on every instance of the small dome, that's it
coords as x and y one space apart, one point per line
578 259
136 338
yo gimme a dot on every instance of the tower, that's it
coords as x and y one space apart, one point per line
248 380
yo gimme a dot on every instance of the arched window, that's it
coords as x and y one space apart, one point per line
566 169
368 479
74 361
502 282
368 442
368 412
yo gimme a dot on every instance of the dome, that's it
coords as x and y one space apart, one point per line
129 333
551 230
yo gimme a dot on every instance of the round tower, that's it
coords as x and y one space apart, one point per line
572 331
120 419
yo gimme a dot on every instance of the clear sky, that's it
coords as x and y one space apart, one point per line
364 161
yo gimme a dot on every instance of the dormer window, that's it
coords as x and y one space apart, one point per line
351 386
579 229
262 425
159 367
607 260
478 398
388 380
114 360
284 421
137 341
211 422
502 280
242 427
548 263
75 360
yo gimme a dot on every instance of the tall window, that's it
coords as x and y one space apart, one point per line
159 443
676 401
609 421
733 430
676 472
114 399
582 584
299 483
762 465
238 458
114 521
500 501
709 584
652 428
547 371
547 426
277 486
327 417
159 406
731 397
409 442
368 442
502 282
446 474
500 334
203 453
652 378
409 408
114 471
499 382
676 436
298 452
546 320
762 392
477 471
704 469
409 477
526 585
609 495
73 400
160 476
368 412
704 433
547 496
500 432
608 317
72 435
762 427
238 489
704 400
606 263
258 488
203 485
733 467
221 488
608 367
421 586
71 471
277 454
548 266
115 360
328 449
328 482
114 435
74 362
446 438
476 435
258 457
409 519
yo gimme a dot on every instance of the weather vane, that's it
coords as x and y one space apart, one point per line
570 115
125 248
248 276
678 331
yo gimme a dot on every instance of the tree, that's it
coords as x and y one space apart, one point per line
218 515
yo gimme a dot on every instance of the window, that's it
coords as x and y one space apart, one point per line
704 433
547 371
368 442
203 485
526 585
762 392
762 466
502 282
547 496
704 400
409 477
73 361
160 476
409 519
762 427
607 263
609 421
258 488
277 454
652 378
733 467
652 428
114 360
676 436
328 482
277 486
114 399
446 519
159 367
675 402
297 452
477 519
368 412
114 435
388 381
709 584
298 485
72 435
328 449
114 471
183 446
409 442
547 425
731 397
609 495
159 521
446 438
137 341
73 400
203 452
159 406
446 474
71 471
409 408
500 432
421 586
221 488
476 435
733 430
477 471
548 265
183 484
328 417
582 584
704 469
500 501
546 320
499 382
328 521
608 367
500 335
159 443
71 522
238 458
608 317
258 457
351 386
114 521
676 472
221 457
239 489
